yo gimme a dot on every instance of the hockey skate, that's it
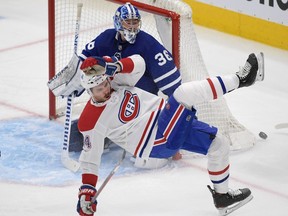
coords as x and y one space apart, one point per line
252 71
229 202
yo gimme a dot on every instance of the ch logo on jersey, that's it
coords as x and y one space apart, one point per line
129 108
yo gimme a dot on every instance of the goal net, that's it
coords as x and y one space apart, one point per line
169 21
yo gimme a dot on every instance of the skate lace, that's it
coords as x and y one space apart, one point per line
244 71
234 193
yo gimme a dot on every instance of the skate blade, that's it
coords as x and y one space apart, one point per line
260 73
230 209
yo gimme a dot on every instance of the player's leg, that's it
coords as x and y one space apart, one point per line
173 124
200 137
225 200
196 92
204 139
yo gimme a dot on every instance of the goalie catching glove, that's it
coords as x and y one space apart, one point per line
101 66
67 80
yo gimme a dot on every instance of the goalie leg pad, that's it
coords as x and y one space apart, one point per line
150 163
76 138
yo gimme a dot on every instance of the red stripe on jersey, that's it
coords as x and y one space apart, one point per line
89 116
173 121
160 141
219 172
146 128
144 133
212 88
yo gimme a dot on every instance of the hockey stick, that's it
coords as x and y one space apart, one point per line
109 176
281 126
68 162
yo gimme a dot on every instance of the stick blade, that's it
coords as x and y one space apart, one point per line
281 126
70 164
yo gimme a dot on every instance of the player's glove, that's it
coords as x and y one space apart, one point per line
84 205
99 66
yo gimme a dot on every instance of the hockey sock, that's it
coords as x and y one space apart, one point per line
195 92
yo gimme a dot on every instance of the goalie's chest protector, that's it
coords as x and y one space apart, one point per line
129 119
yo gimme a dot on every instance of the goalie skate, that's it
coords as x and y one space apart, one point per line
231 201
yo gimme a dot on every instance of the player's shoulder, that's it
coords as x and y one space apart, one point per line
89 116
148 42
108 33
142 35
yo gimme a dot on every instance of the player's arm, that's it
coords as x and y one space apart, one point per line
89 50
98 46
132 69
163 69
126 71
90 159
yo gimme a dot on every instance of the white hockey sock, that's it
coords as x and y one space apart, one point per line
218 163
195 92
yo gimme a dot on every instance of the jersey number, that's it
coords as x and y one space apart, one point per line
163 57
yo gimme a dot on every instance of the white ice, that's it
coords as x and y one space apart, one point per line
179 189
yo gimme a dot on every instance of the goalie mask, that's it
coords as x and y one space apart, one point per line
127 21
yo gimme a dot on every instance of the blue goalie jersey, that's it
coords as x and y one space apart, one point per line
161 72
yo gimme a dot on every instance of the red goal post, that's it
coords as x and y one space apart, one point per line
169 21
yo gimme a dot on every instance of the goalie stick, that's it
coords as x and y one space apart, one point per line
68 162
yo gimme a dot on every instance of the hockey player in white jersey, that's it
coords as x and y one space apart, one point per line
148 127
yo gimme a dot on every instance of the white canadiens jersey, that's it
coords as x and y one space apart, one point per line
128 118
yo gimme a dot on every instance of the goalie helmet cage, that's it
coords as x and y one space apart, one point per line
158 18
